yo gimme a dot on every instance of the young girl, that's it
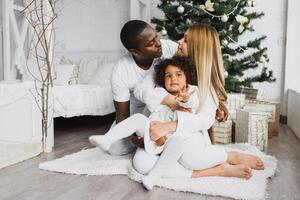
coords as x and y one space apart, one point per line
175 75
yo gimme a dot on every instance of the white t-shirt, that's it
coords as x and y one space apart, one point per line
127 75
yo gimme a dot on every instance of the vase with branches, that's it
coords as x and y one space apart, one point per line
41 15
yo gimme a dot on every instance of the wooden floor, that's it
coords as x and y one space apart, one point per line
25 181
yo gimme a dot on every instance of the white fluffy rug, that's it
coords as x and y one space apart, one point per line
95 162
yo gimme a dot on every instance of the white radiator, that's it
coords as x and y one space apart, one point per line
293 118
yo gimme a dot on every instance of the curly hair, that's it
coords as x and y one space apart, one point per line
182 63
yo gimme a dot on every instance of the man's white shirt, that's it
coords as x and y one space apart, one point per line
127 75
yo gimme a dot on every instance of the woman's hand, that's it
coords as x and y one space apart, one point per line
159 129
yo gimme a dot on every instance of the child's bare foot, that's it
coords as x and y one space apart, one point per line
240 158
241 171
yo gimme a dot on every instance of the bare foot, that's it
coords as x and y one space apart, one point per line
240 158
241 171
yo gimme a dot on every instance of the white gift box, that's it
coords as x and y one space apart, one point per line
223 140
232 114
223 127
235 101
252 127
268 108
223 131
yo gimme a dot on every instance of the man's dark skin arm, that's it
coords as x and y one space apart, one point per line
123 112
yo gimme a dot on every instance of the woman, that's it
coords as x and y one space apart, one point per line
201 44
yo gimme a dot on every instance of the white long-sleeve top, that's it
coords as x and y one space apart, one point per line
163 113
187 122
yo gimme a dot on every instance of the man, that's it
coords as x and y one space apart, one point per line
145 49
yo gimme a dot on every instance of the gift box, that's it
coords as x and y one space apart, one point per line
231 114
250 93
273 108
252 127
235 101
223 131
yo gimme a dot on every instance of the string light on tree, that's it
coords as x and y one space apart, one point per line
180 9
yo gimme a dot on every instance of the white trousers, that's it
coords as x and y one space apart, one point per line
119 135
192 153
180 155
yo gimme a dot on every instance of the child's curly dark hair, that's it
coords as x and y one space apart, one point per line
182 63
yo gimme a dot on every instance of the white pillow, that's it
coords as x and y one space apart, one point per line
87 68
102 75
63 74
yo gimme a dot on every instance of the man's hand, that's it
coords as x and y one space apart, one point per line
137 141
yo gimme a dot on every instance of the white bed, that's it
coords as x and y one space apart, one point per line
78 100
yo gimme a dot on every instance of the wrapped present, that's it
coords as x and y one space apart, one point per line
232 114
252 128
235 101
267 108
223 131
223 140
250 93
273 108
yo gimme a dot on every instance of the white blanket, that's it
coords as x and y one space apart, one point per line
78 100
96 162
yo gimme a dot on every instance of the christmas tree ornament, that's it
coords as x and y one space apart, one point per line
225 42
190 3
209 6
225 74
163 32
260 46
188 21
262 59
253 3
180 9
202 7
224 18
174 3
242 20
249 3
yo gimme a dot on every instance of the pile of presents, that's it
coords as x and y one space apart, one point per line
250 121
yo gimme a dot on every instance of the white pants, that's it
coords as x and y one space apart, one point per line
119 135
181 156
124 145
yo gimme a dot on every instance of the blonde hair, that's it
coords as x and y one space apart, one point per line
204 50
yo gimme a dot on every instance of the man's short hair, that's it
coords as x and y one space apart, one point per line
130 31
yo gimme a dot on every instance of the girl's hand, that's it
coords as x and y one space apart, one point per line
158 129
172 103
184 94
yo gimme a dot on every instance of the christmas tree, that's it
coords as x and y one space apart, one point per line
231 18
